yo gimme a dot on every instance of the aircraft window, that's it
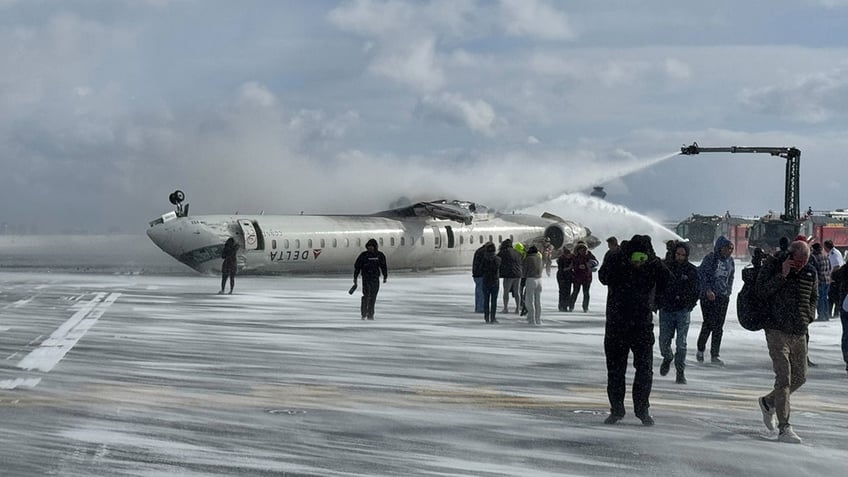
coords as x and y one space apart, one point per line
273 244
322 243
422 240
335 243
490 239
511 238
471 239
296 243
359 243
392 241
481 239
500 238
347 242
461 240
286 243
309 243
381 241
436 240
402 241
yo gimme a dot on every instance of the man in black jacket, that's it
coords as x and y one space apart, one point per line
790 287
371 263
632 276
675 307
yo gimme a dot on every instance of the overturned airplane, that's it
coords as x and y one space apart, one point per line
426 235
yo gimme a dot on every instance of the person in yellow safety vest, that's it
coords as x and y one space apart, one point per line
520 247
523 252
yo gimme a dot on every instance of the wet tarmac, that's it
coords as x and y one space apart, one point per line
140 375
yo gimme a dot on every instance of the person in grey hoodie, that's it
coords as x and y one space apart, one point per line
716 273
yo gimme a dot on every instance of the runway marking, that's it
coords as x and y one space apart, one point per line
54 348
19 383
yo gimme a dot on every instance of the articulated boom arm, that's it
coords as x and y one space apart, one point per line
791 200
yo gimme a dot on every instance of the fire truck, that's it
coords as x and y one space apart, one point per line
819 226
701 231
767 231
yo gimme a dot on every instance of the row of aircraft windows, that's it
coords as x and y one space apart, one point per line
336 243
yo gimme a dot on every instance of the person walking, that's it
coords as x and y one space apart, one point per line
790 287
565 277
836 262
547 252
228 268
839 282
632 275
490 265
531 271
371 263
822 265
510 272
583 265
716 274
675 306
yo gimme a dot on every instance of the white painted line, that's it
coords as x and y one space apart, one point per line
54 348
19 383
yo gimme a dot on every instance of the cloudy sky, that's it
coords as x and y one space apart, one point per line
326 106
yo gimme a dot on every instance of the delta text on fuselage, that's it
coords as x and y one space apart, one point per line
422 236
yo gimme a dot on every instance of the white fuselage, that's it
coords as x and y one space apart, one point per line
330 243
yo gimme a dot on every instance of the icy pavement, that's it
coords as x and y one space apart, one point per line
118 375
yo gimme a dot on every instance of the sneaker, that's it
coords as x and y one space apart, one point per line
699 356
646 419
665 366
613 418
769 417
716 361
788 435
681 379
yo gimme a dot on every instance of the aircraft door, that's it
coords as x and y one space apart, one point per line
251 239
449 231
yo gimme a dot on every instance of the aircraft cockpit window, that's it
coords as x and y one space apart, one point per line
392 241
335 243
309 243
322 243
297 243
286 243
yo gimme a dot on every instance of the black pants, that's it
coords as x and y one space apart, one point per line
370 288
564 281
619 341
714 314
577 287
228 274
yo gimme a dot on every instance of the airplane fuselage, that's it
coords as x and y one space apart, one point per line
270 244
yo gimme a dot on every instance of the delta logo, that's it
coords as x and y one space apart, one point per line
316 252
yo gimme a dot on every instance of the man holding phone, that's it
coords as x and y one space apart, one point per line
789 285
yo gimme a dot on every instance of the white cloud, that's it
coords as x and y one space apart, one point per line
677 69
452 108
411 64
813 98
255 94
535 19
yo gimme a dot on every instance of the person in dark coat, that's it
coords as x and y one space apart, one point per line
565 277
511 273
632 275
675 306
371 263
490 265
228 268
477 275
790 287
583 264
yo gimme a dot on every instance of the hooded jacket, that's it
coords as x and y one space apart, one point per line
716 273
370 263
791 299
630 288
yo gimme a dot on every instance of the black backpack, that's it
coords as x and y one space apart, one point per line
751 310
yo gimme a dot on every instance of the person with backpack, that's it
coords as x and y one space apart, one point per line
790 288
675 306
716 274
632 276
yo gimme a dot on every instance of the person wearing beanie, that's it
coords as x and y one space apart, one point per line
632 276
